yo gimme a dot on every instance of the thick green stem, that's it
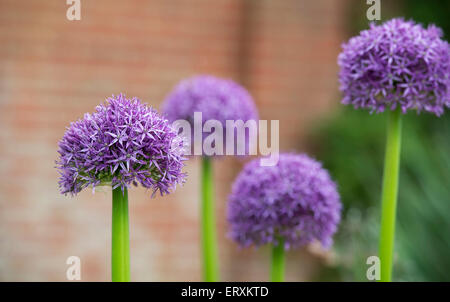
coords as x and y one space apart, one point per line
120 247
278 260
389 194
208 224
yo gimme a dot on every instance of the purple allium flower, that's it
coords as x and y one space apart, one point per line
217 99
396 64
122 143
295 200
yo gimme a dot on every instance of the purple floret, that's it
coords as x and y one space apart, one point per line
123 142
217 99
396 64
295 200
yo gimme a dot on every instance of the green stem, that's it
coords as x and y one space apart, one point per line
389 194
208 224
278 260
120 247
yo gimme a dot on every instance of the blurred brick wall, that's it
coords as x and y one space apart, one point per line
53 70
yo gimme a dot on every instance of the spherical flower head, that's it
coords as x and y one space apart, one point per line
295 200
123 142
216 99
398 64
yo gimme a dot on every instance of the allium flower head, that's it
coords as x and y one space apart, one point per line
217 99
396 64
295 200
123 142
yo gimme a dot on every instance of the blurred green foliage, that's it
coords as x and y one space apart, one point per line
351 145
422 11
426 11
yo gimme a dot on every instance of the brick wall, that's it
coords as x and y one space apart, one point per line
53 70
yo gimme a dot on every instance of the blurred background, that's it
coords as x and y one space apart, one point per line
53 70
